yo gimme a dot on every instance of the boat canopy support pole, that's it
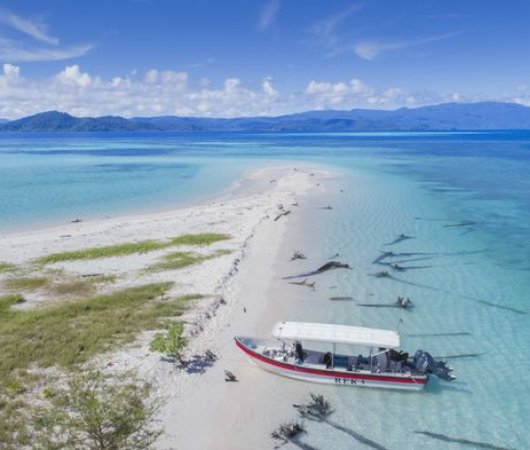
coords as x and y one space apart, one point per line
333 356
371 361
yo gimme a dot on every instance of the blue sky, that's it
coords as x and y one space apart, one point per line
246 57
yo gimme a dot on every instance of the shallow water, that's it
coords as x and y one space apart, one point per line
464 198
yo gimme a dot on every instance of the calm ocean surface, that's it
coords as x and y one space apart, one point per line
463 197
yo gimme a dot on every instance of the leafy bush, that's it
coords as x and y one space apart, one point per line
170 343
99 412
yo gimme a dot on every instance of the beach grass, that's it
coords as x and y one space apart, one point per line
179 260
199 239
26 283
71 333
130 248
7 301
6 267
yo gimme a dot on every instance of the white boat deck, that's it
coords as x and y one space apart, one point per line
342 363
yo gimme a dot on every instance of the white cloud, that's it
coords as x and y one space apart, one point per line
269 13
370 49
11 72
164 92
14 52
26 50
328 94
268 87
35 29
327 27
72 76
327 30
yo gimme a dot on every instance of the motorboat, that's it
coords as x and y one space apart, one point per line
290 354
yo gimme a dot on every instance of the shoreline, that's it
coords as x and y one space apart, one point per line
248 182
241 278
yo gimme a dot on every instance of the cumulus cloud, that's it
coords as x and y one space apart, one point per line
335 94
166 92
156 92
72 76
268 88
11 72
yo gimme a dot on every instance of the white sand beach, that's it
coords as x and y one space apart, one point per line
243 294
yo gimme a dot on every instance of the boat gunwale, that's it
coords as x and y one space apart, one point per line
393 378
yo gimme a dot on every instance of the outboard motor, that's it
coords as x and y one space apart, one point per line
425 363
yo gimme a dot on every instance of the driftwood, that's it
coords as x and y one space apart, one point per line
230 377
65 235
88 275
318 407
298 255
288 431
401 237
327 266
285 213
382 274
304 283
403 303
333 265
325 207
75 221
319 410
341 298
210 355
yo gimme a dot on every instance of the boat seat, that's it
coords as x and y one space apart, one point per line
340 361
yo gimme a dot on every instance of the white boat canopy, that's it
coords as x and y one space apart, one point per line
340 334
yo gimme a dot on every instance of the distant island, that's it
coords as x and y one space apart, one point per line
442 117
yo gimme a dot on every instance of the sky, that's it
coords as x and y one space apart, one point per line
213 58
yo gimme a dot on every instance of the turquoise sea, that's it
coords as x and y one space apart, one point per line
463 198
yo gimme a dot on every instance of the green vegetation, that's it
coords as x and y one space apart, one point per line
72 332
128 248
14 430
199 239
105 278
99 412
179 260
6 267
26 283
131 248
6 301
170 343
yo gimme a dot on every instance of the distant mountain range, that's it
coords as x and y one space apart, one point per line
447 116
